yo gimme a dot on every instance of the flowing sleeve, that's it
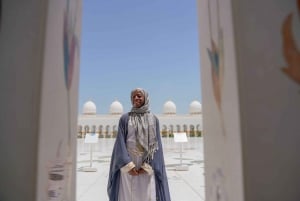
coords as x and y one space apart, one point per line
119 158
158 164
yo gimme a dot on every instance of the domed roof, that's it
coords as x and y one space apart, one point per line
116 108
169 108
195 107
89 108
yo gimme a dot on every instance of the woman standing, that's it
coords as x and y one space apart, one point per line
137 169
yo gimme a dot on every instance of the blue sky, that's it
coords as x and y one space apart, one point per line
151 44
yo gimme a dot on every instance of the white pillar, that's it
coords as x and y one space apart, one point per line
39 87
251 100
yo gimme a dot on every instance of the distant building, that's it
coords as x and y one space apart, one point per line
106 125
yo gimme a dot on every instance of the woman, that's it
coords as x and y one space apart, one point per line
137 169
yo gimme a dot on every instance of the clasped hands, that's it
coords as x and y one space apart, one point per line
135 172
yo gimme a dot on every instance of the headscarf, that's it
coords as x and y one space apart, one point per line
144 125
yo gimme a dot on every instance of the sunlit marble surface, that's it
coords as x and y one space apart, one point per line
186 185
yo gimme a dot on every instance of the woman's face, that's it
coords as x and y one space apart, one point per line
138 99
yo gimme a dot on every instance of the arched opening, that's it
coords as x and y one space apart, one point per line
165 62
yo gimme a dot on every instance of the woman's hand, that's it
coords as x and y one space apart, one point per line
142 171
133 172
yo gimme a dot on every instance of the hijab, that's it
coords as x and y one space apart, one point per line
144 126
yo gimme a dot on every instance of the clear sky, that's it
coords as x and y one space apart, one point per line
151 44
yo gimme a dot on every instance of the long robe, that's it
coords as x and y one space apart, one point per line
121 157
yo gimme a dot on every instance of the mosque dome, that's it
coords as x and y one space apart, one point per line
169 108
116 108
195 107
89 108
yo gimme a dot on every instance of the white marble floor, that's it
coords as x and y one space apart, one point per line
185 185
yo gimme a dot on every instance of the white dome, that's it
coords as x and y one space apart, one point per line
89 108
195 107
169 108
116 108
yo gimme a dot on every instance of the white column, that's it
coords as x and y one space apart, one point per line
250 82
39 66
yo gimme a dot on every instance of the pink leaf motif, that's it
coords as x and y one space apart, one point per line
290 51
